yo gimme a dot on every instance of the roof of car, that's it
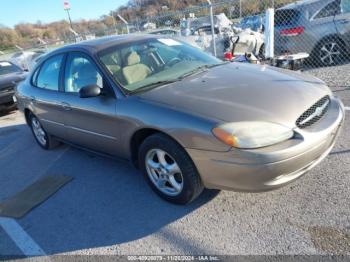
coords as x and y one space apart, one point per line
162 30
302 3
99 44
6 61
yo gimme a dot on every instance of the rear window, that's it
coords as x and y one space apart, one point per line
8 68
286 17
48 75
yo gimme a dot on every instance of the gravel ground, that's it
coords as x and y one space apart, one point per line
109 209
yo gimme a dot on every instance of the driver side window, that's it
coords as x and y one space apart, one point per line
81 71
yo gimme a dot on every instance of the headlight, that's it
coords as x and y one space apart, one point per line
252 134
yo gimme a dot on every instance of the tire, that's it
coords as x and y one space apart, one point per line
165 163
44 140
329 52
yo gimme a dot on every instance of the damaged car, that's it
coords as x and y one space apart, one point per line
229 39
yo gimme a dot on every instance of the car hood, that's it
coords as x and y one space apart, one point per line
12 79
243 92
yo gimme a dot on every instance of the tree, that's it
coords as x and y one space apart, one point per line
8 38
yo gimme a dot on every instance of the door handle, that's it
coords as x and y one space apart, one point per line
66 106
32 99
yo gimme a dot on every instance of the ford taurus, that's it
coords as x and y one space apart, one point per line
188 120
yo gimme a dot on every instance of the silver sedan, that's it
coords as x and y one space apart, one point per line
186 119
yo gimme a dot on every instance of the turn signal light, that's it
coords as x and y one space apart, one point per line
225 137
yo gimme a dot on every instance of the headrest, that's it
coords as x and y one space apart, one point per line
87 70
133 59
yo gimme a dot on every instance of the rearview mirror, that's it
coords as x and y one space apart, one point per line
89 91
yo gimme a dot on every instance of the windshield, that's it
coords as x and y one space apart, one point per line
141 64
8 68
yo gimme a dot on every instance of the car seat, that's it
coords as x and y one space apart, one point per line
135 71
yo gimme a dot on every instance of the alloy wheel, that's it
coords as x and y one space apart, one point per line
39 131
330 53
164 172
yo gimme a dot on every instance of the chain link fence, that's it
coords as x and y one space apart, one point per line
319 29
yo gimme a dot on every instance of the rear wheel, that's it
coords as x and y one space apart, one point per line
169 170
41 136
329 52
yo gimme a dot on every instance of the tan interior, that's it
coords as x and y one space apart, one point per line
114 69
135 71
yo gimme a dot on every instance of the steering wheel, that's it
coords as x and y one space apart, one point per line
173 61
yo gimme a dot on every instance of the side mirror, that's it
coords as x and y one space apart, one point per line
89 91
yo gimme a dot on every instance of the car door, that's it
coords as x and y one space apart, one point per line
321 25
342 21
90 121
46 95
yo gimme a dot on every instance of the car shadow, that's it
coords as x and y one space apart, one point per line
108 202
7 110
340 152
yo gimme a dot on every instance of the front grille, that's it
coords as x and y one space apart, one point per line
314 113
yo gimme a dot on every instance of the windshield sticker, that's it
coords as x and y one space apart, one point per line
169 42
5 64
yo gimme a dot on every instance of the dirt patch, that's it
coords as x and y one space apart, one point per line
330 240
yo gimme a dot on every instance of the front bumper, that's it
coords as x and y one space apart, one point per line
271 167
6 96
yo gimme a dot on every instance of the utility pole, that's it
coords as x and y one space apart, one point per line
240 8
125 22
114 23
66 7
212 25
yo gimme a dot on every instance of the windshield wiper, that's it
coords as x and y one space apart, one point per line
154 85
219 64
200 69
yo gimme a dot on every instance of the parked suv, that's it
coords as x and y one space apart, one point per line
320 28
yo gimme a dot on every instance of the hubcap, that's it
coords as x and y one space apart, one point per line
330 53
38 131
164 172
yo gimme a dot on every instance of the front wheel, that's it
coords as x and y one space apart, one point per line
169 170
